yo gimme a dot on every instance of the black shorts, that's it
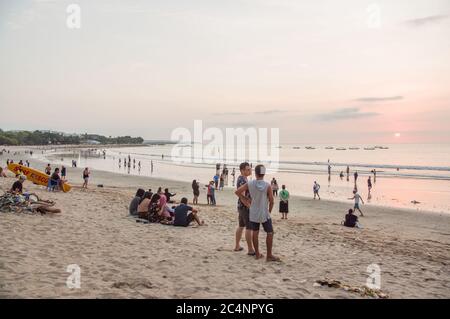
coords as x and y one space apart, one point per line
244 217
189 219
267 225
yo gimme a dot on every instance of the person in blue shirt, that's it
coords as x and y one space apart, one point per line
185 214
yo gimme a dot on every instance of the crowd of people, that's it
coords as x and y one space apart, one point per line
155 208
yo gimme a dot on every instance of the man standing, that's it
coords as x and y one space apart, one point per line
316 188
260 205
244 213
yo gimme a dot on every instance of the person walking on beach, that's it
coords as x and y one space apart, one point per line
222 182
244 213
233 173
216 181
48 170
284 202
369 184
329 169
196 191
274 186
63 172
86 174
356 176
348 171
151 166
260 207
374 175
211 193
357 199
316 188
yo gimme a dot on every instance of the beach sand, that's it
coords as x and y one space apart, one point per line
120 258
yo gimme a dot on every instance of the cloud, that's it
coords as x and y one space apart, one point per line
379 99
425 20
345 114
252 113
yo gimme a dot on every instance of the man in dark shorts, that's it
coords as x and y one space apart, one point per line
182 215
260 205
243 217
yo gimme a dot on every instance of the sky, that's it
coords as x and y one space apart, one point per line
321 71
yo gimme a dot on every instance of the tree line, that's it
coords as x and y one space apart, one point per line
56 138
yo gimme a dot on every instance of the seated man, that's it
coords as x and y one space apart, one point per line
18 185
182 215
351 220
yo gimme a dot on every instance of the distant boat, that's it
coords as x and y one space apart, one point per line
353 148
329 147
341 149
296 148
310 148
369 148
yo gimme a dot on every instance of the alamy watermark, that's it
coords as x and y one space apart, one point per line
229 146
74 279
373 281
73 20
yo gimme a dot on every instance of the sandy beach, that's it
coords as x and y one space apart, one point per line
120 258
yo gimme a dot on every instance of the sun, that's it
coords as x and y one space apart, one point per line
397 135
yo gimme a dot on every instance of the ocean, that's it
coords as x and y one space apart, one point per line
415 176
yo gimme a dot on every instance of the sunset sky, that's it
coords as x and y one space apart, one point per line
321 71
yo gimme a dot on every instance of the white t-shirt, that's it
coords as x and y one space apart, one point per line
357 198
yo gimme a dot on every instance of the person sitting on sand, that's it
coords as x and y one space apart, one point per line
185 214
17 187
148 208
133 209
164 210
260 205
351 220
144 205
169 195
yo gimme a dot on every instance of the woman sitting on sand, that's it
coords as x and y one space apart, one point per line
165 212
148 208
136 201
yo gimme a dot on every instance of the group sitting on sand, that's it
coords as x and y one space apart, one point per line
21 201
154 208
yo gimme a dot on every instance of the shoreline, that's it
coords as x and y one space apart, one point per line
230 188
